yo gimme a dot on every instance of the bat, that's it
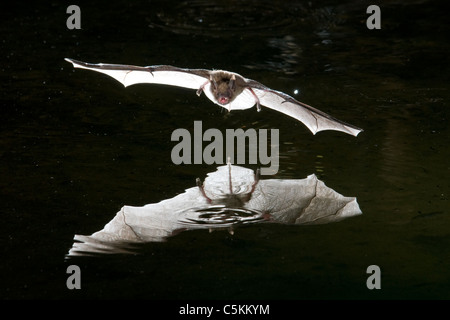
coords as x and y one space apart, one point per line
227 89
228 197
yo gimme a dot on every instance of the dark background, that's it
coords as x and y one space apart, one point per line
76 146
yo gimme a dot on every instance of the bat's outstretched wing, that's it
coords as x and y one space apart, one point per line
129 75
314 119
200 79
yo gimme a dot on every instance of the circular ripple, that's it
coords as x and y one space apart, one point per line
221 216
224 18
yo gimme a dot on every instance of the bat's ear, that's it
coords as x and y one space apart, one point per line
232 83
213 83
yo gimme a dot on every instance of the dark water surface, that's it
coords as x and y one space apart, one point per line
76 146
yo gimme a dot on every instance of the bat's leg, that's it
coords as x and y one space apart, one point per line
258 106
256 181
248 196
202 190
202 88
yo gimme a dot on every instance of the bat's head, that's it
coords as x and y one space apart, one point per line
223 87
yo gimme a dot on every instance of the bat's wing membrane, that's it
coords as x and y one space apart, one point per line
129 75
314 119
244 100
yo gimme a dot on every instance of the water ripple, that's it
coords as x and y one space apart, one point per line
220 215
222 19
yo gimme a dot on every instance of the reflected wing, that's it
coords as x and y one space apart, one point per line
168 75
314 119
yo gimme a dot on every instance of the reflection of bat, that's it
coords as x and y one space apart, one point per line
230 196
227 89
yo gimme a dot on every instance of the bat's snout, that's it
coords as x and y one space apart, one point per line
223 100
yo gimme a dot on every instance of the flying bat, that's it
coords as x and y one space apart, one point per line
227 89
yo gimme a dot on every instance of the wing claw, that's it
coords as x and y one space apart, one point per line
202 88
